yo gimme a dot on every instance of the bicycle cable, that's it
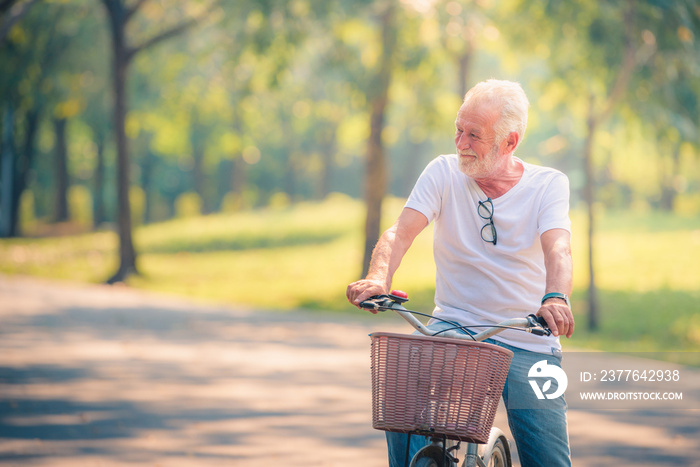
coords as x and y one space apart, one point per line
480 326
456 326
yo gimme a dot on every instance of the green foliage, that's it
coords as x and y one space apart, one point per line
80 205
188 205
687 204
283 86
663 320
279 200
27 210
84 258
262 229
232 202
137 198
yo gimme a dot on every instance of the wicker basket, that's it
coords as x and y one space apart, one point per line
436 385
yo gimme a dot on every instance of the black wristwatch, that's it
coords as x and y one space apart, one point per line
563 296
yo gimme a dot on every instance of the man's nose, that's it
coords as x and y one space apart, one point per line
462 141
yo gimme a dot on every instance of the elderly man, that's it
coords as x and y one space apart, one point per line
502 250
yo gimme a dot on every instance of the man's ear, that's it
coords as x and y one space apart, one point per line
511 142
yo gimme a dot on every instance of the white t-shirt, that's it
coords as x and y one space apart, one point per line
480 283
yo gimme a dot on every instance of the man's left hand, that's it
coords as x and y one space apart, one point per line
558 316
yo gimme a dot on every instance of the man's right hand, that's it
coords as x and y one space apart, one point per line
361 290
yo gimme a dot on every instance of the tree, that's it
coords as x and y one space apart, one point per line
120 16
30 59
599 47
378 97
664 96
61 170
12 12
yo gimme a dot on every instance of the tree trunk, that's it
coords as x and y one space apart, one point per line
198 175
61 171
669 190
289 160
594 119
23 165
98 203
376 183
376 171
290 180
328 149
127 254
6 170
149 161
411 168
119 16
463 63
238 175
589 197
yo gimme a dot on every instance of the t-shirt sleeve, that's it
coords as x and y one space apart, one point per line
426 196
554 207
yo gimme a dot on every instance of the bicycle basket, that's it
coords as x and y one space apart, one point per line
436 385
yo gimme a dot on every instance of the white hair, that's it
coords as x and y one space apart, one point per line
511 99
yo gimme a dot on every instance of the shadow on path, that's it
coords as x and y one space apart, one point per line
108 376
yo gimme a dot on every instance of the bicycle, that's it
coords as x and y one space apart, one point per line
445 385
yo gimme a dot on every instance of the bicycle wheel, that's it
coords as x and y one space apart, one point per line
500 454
427 462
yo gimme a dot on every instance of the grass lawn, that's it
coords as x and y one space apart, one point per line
304 257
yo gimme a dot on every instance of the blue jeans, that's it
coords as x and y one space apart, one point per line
538 426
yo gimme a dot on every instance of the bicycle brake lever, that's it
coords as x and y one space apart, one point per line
384 301
538 326
369 305
376 302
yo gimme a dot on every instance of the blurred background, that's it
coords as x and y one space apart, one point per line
251 152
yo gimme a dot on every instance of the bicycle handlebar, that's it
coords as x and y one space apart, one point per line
394 301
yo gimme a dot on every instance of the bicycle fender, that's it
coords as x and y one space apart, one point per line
430 450
486 449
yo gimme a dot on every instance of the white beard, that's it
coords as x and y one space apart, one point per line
479 167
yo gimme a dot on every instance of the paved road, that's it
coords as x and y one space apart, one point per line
107 376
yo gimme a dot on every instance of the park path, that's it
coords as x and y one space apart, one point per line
109 376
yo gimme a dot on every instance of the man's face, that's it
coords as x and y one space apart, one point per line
479 154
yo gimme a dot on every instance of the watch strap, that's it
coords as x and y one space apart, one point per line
562 296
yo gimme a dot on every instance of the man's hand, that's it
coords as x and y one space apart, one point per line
558 316
361 290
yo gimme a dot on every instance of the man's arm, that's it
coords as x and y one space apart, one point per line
556 245
387 256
